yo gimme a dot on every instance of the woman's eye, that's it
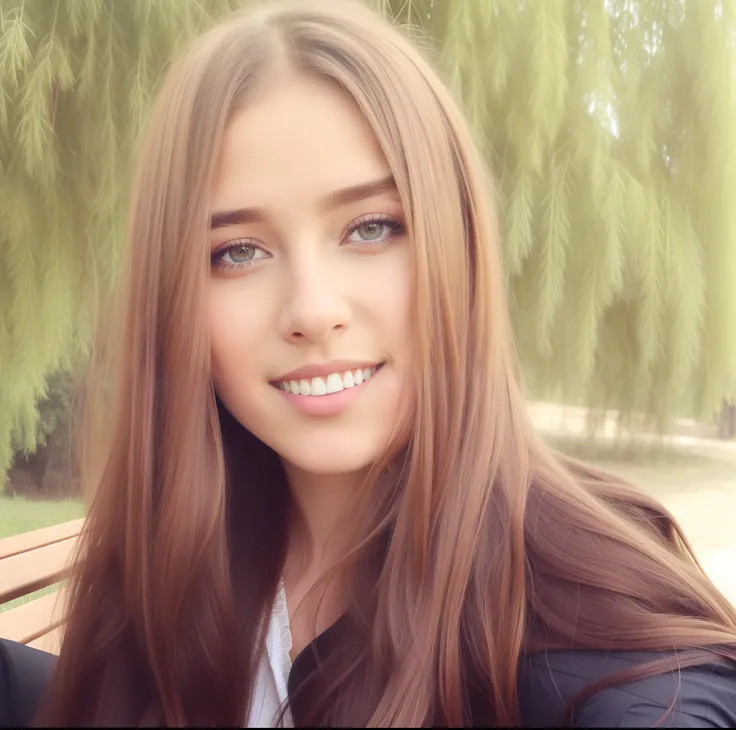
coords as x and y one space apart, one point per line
371 231
237 255
374 230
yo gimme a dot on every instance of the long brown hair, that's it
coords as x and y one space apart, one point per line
480 543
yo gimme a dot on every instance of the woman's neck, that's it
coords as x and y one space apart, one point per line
320 533
320 529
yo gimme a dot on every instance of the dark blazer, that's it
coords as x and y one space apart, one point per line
703 697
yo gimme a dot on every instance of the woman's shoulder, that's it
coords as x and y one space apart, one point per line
24 676
702 696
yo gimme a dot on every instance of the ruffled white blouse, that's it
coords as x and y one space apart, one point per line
270 690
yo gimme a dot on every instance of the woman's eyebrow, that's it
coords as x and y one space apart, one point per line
224 218
335 199
355 193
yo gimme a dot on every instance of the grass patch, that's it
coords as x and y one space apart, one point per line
19 515
30 597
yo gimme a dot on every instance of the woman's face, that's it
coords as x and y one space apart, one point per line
310 287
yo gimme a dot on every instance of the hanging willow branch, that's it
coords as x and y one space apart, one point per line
609 126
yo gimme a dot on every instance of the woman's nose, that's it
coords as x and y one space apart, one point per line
315 305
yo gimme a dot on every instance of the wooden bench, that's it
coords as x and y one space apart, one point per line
29 562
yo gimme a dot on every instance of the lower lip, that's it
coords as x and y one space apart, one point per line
327 405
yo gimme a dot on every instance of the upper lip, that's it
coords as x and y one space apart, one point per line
327 368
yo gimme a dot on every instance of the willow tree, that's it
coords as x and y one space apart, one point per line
608 124
76 81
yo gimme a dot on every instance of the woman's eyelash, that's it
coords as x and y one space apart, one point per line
396 227
218 254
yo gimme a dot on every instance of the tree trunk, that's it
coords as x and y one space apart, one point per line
727 428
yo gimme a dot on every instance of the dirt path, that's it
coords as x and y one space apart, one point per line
695 479
702 498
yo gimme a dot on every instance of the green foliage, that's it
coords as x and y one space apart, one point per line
607 123
76 80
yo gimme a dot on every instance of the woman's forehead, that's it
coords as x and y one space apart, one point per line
304 138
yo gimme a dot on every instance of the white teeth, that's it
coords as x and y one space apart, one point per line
318 387
333 383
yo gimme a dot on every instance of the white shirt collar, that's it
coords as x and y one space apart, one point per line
271 687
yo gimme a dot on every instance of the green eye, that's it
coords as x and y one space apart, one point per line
374 229
237 255
371 231
240 254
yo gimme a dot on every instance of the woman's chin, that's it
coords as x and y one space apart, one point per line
330 461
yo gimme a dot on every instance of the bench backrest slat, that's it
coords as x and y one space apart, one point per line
27 622
39 538
50 642
29 571
29 562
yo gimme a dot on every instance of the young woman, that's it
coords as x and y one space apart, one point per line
318 497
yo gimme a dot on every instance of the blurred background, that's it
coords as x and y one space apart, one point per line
610 126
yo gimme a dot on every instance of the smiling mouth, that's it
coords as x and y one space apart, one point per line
329 384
